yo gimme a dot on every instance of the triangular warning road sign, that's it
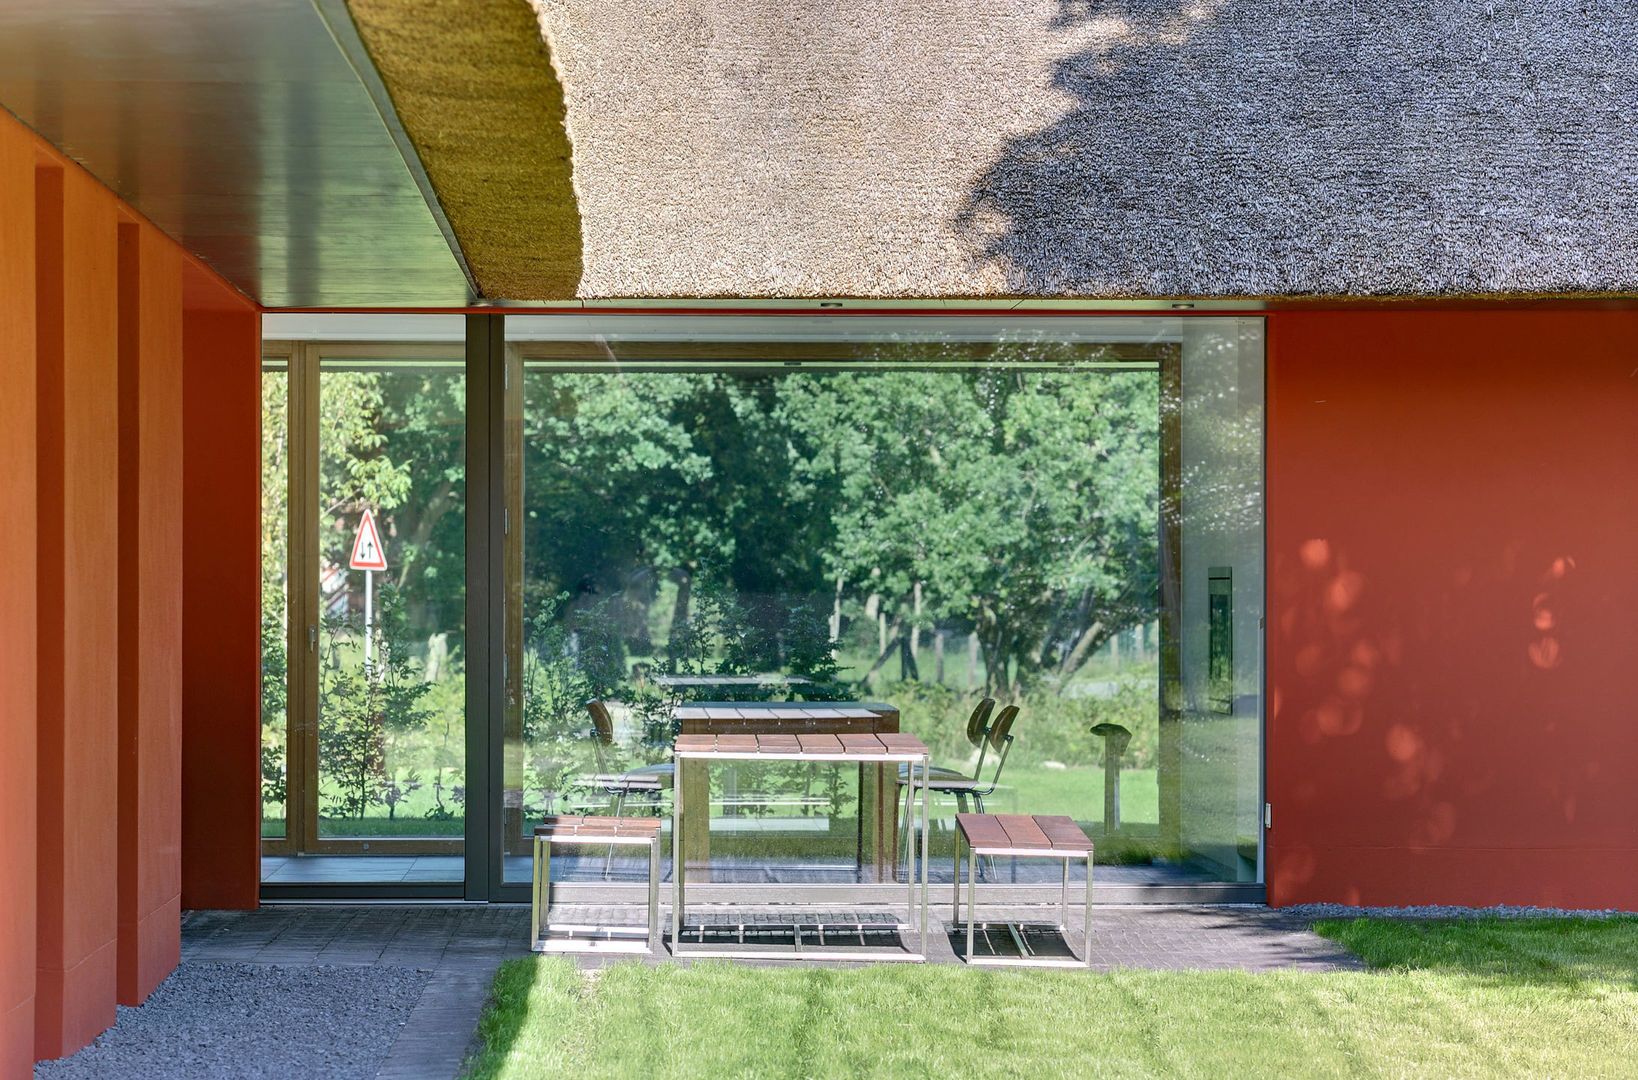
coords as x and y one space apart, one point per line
367 551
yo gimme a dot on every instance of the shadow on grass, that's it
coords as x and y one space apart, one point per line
1569 953
530 995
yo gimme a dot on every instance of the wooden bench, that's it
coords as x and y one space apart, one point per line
546 936
1048 836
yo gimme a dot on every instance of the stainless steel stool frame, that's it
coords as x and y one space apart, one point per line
1023 960
678 871
596 937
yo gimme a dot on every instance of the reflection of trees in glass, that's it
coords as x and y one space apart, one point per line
395 442
1022 503
392 440
1015 503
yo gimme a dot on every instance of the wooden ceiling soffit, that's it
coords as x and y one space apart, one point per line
475 89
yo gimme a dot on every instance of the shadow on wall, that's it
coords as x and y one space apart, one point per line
1269 147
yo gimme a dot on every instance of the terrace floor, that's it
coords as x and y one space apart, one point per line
460 946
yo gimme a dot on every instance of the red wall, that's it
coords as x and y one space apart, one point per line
18 524
1453 607
150 609
78 376
93 302
221 739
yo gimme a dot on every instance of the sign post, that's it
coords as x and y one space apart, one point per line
368 556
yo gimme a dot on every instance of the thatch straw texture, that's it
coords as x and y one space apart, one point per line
475 90
1094 148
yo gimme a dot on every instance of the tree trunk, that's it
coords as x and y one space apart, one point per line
887 652
1083 648
915 628
679 614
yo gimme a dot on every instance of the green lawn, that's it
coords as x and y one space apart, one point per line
1464 999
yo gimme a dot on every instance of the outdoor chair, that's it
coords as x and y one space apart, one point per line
997 741
977 729
641 786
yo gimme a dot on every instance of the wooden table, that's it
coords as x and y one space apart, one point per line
886 749
878 785
694 682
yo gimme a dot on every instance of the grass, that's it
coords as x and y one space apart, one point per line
1460 999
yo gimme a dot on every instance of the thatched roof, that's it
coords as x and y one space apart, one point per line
1100 148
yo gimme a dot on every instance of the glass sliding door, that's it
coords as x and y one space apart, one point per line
918 518
915 514
375 772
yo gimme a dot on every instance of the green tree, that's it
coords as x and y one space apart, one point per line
363 701
1021 498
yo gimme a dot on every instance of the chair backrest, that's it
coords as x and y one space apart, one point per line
602 731
977 729
976 723
1000 740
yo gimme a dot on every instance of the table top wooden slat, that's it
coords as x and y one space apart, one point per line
1022 831
860 743
982 830
848 744
1048 834
1062 832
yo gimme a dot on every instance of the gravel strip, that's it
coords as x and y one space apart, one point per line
252 1020
1446 911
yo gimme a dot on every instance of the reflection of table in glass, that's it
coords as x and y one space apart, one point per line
878 787
695 682
889 749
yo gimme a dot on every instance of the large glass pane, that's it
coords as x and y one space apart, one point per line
1221 590
275 596
392 586
914 514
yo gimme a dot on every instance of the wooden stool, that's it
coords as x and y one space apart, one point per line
588 937
1048 836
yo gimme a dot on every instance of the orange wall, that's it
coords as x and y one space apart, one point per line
76 231
1452 532
150 610
18 703
93 302
221 738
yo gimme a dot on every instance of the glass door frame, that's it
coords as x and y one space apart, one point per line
302 361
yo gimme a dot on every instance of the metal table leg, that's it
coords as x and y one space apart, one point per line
676 853
654 896
972 897
1063 900
926 837
1088 906
534 902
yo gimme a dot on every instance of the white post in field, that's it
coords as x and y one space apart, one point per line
369 614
